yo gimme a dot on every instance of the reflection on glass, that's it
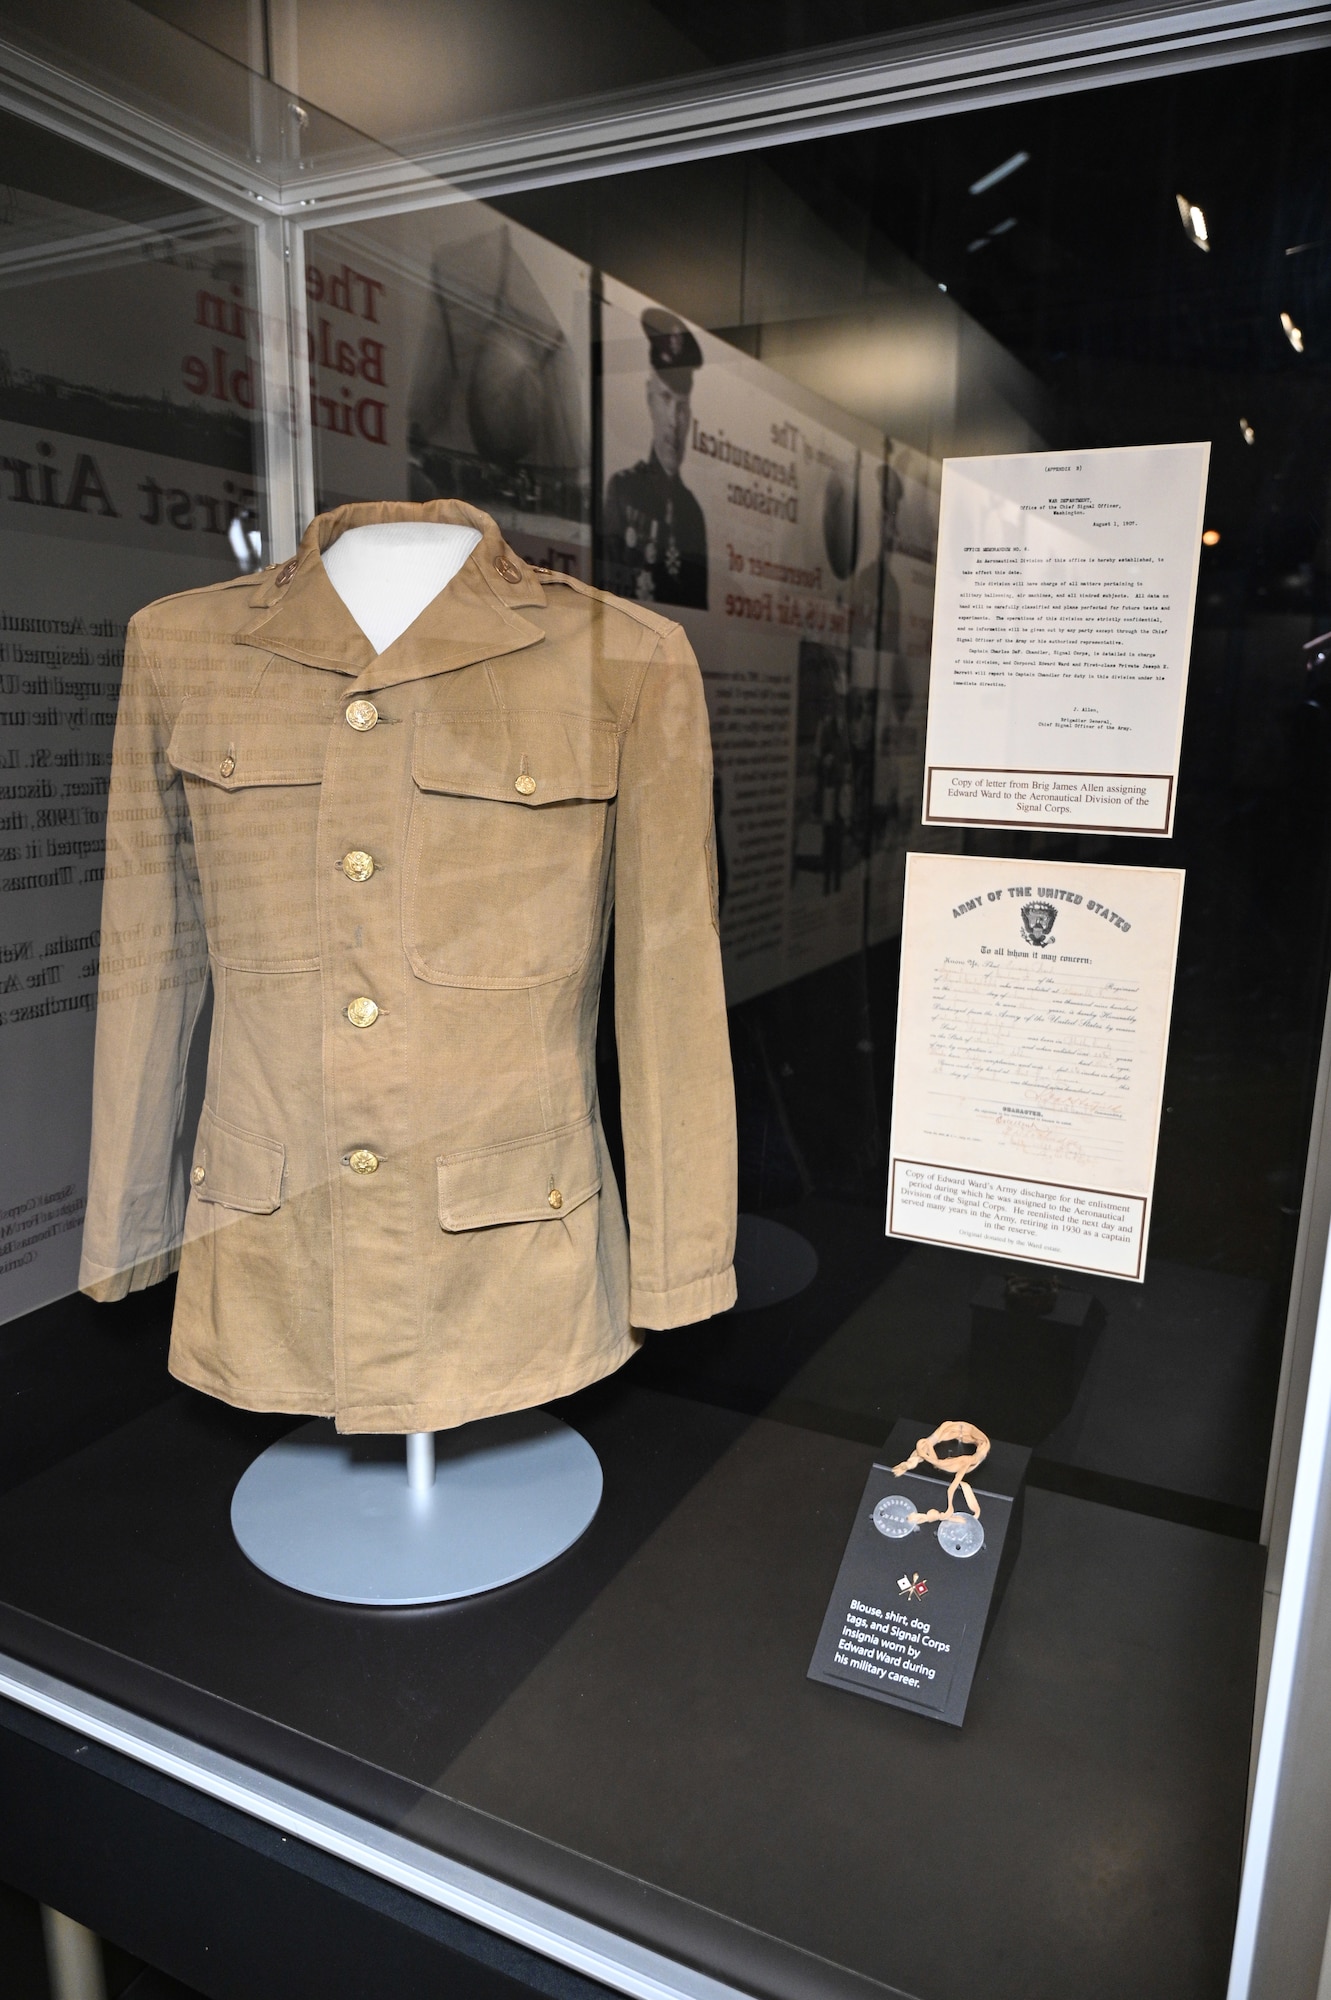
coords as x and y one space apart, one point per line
1068 319
1194 222
128 406
450 356
726 390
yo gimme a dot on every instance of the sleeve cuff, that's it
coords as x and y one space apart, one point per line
683 1304
105 1287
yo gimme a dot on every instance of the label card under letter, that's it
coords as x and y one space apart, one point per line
1032 1031
1062 631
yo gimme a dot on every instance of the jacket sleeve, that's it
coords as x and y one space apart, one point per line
152 980
676 1091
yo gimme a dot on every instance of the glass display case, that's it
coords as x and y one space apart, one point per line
709 422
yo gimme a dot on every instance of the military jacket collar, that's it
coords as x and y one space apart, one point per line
478 616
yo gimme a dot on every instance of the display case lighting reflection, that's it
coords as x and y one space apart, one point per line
1194 222
999 229
1246 431
1211 538
997 174
246 545
1293 334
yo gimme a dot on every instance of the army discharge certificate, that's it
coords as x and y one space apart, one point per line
1062 629
1031 1034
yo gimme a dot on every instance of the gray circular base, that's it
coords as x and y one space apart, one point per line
772 1263
334 1516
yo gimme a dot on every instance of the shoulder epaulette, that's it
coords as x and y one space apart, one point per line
250 579
640 613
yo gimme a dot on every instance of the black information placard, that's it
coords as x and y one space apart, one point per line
908 1616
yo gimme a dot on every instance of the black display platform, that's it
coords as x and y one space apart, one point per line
631 1735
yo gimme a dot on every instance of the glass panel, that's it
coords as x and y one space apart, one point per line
444 71
963 288
726 391
215 109
130 469
450 353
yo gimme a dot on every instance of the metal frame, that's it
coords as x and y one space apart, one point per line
984 60
584 1946
1287 1865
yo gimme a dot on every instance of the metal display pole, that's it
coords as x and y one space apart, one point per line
73 1958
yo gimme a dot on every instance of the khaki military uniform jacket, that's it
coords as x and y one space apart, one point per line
398 872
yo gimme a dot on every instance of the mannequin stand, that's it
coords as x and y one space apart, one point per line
477 1507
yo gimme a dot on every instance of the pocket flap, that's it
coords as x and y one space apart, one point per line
520 758
238 1169
241 745
528 1180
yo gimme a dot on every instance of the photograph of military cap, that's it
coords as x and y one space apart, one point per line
654 536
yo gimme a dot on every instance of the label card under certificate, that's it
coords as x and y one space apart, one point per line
1062 631
1032 1030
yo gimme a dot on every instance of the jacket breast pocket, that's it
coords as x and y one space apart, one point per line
252 779
506 850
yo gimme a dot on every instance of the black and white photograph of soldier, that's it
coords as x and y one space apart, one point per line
654 536
496 414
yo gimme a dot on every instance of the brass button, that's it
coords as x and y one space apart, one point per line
363 1161
227 766
555 1198
362 1013
508 570
285 574
524 783
362 714
198 1176
358 866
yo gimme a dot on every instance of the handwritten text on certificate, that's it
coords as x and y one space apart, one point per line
1062 629
1030 1063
